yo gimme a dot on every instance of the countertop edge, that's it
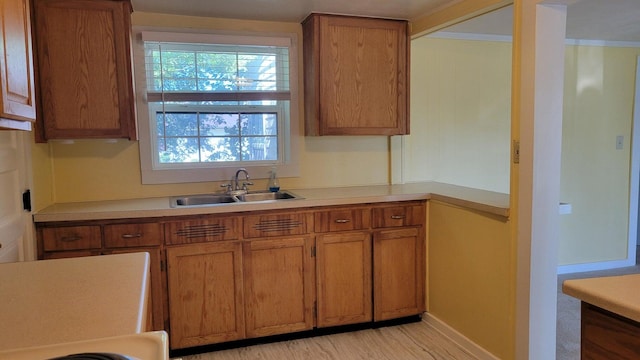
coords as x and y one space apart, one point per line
605 293
473 199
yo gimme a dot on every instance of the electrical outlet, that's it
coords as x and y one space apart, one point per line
619 142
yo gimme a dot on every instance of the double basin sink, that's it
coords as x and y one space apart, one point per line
221 199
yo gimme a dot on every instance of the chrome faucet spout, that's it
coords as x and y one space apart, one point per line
246 178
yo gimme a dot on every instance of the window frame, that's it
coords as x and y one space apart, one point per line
288 140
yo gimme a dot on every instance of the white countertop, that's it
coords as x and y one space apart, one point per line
618 294
64 300
152 345
481 200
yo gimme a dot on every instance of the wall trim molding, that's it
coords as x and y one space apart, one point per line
508 38
464 342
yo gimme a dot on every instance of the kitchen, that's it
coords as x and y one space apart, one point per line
66 173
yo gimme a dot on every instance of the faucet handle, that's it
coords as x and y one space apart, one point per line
244 185
229 186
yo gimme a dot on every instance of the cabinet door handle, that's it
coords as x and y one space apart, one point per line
397 217
71 238
131 236
342 221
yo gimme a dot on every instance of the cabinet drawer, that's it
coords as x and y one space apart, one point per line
72 238
278 225
342 220
133 235
202 230
399 215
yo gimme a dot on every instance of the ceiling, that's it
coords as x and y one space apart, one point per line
613 20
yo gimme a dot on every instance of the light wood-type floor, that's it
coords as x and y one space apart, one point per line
402 342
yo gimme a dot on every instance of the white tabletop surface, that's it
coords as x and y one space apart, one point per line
64 300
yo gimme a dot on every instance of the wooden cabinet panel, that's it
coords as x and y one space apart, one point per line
157 289
399 215
356 75
69 254
605 335
283 224
398 275
202 230
206 302
343 219
84 67
71 238
278 286
16 62
133 235
343 278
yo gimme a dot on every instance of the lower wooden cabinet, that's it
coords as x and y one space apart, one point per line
343 280
206 301
278 281
398 273
246 275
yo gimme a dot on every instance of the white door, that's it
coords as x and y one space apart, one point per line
15 223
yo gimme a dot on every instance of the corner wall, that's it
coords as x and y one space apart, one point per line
470 275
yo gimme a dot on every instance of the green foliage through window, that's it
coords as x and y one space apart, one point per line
217 103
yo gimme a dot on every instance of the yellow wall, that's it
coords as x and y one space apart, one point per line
598 106
460 113
460 133
470 281
96 170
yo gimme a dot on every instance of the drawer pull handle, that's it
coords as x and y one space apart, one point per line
71 238
131 236
342 221
397 217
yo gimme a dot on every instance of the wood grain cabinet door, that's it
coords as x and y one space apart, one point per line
83 50
278 285
206 302
16 62
398 275
343 278
355 75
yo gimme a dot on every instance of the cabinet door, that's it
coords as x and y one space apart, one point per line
343 278
356 76
16 62
157 290
84 67
278 286
206 303
398 273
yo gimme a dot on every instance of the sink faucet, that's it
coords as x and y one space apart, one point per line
244 183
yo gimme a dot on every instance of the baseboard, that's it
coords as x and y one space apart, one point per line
473 348
605 265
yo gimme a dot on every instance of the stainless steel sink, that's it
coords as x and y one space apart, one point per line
265 196
202 200
221 199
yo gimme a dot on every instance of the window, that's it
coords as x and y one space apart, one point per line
214 103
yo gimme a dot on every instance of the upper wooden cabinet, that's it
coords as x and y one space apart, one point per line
17 107
356 76
83 51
